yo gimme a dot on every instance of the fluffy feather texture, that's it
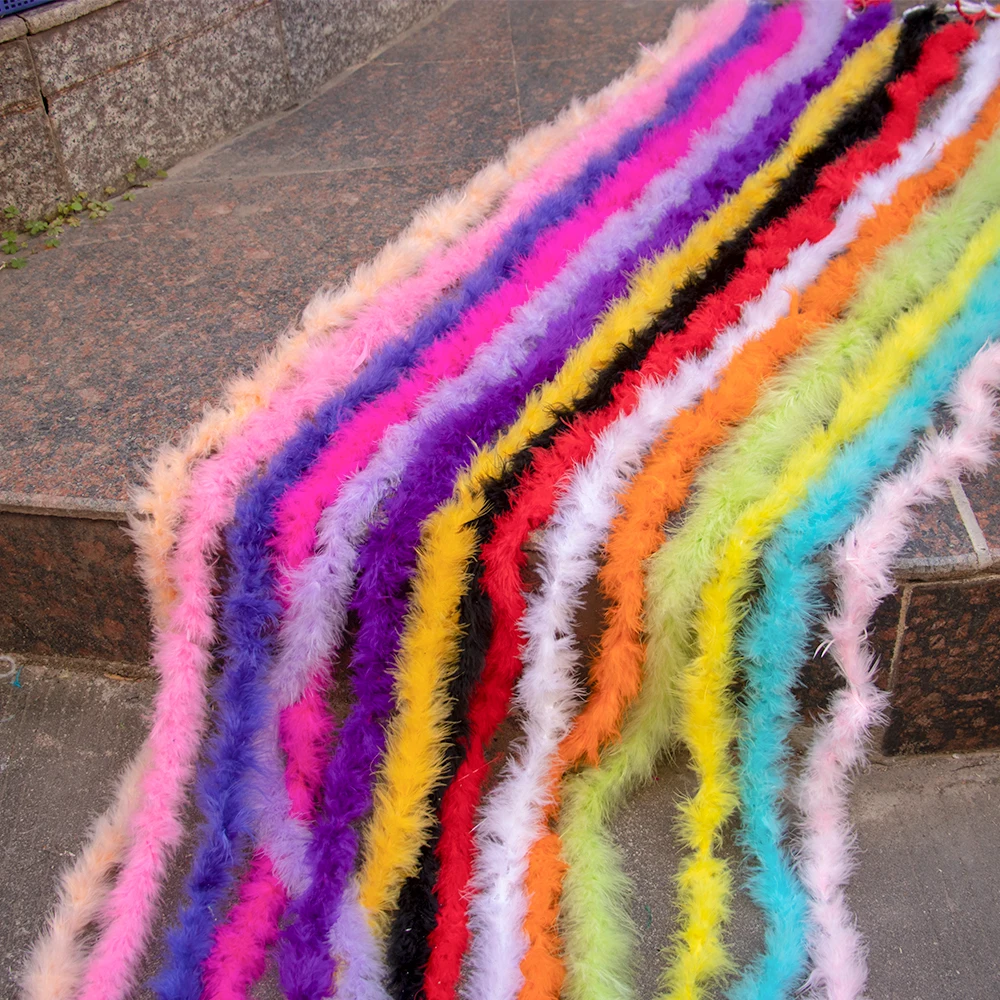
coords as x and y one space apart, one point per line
506 830
428 647
512 817
707 724
775 638
773 642
595 905
468 792
407 946
360 968
298 508
636 533
306 645
155 529
533 496
379 601
776 633
252 608
657 150
862 564
487 710
492 693
659 490
665 480
241 941
539 161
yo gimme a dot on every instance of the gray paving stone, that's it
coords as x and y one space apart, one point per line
927 891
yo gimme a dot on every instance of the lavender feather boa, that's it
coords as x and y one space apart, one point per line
385 564
428 479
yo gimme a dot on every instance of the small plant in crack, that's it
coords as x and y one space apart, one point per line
24 236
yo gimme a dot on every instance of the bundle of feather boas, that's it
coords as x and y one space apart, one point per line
724 295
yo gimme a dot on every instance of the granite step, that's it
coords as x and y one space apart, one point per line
117 340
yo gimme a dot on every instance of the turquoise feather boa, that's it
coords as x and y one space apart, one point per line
774 640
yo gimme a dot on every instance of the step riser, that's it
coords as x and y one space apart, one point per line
69 588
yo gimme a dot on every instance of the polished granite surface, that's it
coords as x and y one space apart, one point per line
116 340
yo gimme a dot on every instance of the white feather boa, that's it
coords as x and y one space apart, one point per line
548 695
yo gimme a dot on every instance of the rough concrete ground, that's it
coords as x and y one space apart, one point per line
927 892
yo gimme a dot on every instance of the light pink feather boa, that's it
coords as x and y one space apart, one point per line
863 563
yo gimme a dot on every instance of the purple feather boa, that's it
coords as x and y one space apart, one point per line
250 609
387 560
305 965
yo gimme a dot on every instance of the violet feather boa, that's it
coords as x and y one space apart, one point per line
548 694
862 564
319 590
316 591
348 485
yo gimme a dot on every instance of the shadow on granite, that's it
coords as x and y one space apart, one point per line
69 587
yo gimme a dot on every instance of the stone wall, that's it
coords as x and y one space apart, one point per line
87 86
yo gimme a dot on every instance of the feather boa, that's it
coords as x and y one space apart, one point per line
420 263
316 588
862 563
298 508
533 501
612 688
410 915
251 609
492 694
707 725
427 650
547 692
599 720
659 491
349 448
56 961
505 831
594 903
223 785
408 947
254 922
775 637
543 461
380 593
